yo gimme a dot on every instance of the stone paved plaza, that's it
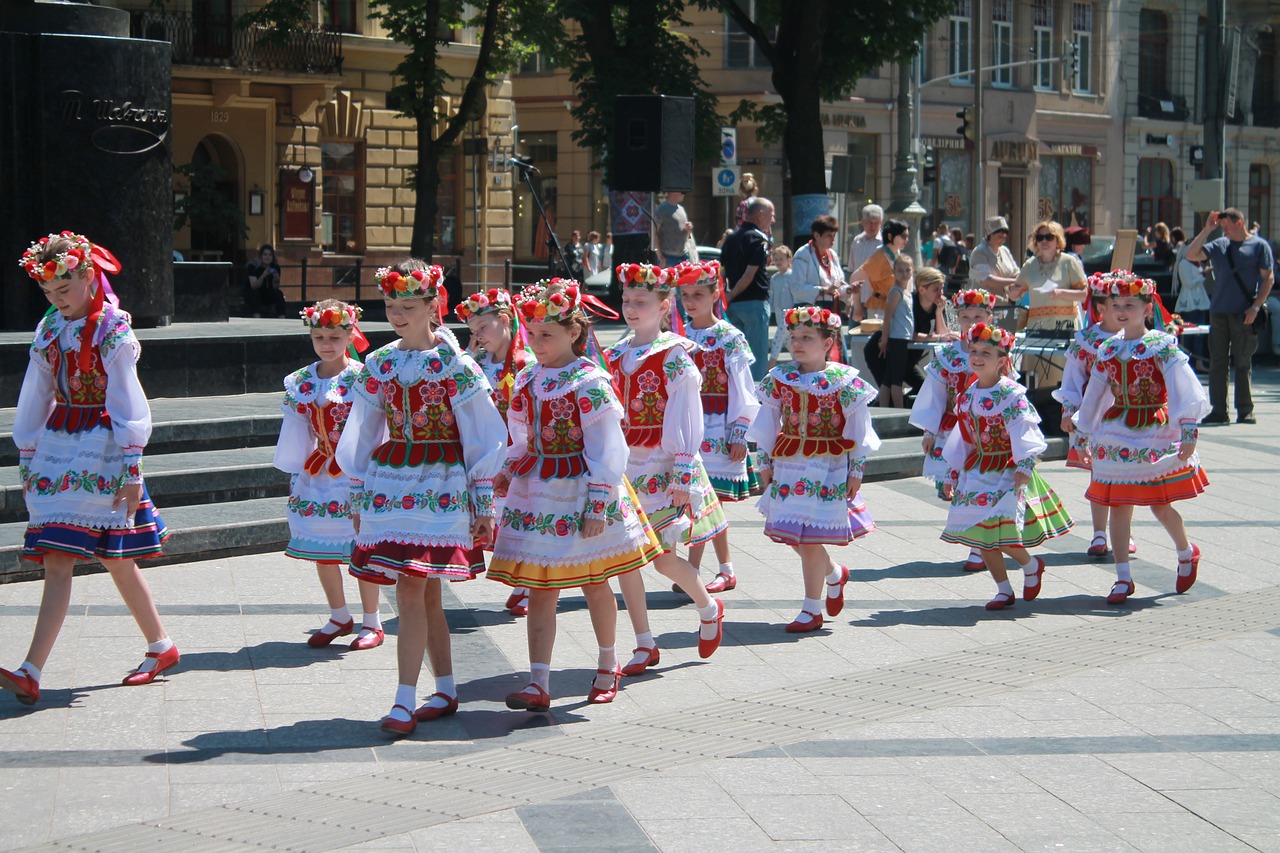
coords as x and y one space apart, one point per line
914 721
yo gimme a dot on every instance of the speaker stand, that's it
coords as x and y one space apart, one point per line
555 250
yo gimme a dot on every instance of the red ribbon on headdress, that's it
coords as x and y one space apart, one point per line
359 342
103 262
595 306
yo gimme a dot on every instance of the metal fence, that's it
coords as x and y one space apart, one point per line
216 40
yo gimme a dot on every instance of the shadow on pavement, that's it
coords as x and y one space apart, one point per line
968 615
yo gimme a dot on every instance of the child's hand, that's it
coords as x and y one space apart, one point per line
1185 451
948 491
1020 479
1068 425
851 487
129 496
927 444
355 522
501 482
737 452
482 529
766 478
679 498
592 527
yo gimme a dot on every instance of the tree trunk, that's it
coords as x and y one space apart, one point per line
425 205
795 77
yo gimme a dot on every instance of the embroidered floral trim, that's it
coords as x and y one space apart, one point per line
319 509
1133 455
76 481
831 379
980 499
1006 398
857 466
1154 344
664 341
305 386
561 524
722 335
482 499
598 495
804 487
737 433
366 501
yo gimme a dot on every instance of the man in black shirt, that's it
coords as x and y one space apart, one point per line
745 260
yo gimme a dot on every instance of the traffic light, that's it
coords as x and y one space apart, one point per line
966 124
929 171
1071 58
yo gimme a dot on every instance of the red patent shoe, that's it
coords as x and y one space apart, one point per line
1185 583
722 583
1120 592
521 609
1133 547
1001 601
835 605
538 701
368 641
706 648
975 564
24 688
429 712
798 627
1029 593
164 660
596 696
515 598
399 728
321 639
655 658
1098 548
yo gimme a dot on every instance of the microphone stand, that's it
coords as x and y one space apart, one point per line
555 251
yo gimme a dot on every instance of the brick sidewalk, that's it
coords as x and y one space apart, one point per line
916 721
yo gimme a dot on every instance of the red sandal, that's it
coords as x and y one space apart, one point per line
596 696
634 669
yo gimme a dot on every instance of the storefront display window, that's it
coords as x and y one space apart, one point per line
952 204
1066 191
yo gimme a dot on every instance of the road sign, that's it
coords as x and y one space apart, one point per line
724 180
728 146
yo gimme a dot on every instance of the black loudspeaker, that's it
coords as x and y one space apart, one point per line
652 144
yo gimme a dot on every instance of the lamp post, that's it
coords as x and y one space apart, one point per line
905 192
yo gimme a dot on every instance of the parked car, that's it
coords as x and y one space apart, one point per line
602 281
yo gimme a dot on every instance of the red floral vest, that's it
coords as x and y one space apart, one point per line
1142 398
80 399
555 435
644 398
954 380
811 425
327 420
715 381
421 426
988 438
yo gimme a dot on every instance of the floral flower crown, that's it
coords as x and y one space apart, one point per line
344 317
536 305
646 276
64 263
1120 283
981 333
479 304
693 273
419 284
977 298
811 315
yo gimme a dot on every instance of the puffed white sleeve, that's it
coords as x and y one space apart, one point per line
743 403
365 429
604 450
296 441
765 428
1026 441
127 405
35 404
1097 400
517 428
484 447
1187 401
955 451
931 402
1074 378
682 421
855 401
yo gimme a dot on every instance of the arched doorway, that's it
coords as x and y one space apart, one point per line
214 178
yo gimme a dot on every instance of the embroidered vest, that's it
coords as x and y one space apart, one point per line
954 380
811 425
421 426
80 399
327 420
715 381
989 439
1142 399
644 398
555 442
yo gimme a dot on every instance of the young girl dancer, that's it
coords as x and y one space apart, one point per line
1140 414
659 387
491 318
1000 504
729 403
1081 355
570 518
422 444
934 410
813 433
317 401
81 425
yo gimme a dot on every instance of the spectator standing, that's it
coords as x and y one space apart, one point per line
958 275
606 251
816 275
943 248
1054 281
872 281
749 189
745 261
992 266
1161 248
262 294
673 229
1243 273
864 244
574 253
780 299
591 257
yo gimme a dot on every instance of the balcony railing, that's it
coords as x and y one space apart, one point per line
215 40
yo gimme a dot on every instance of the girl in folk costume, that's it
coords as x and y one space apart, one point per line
1140 414
81 425
1000 505
934 410
422 444
492 320
317 402
729 403
813 433
659 388
570 518
1081 356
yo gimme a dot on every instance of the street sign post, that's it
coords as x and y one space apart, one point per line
724 180
728 146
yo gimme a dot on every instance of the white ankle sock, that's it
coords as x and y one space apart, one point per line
1005 587
833 582
645 640
540 674
371 621
1123 573
726 569
160 646
340 616
808 607
1184 562
1100 534
445 685
708 614
607 658
30 669
406 696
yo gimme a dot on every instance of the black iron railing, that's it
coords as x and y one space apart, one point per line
215 40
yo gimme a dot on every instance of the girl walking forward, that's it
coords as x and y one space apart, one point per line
1140 414
317 402
813 433
659 388
729 403
570 518
81 425
422 445
491 318
934 410
1000 503
1082 353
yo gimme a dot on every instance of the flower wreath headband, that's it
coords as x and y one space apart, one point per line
1120 283
977 298
83 253
646 276
818 318
694 273
418 284
345 317
535 304
1001 339
486 302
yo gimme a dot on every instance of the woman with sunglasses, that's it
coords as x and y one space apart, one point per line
1054 281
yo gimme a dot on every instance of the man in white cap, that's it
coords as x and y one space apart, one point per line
864 245
991 265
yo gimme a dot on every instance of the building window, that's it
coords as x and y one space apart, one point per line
1156 199
1153 54
960 42
1082 38
342 165
536 63
1042 43
340 16
1002 42
740 50
1066 191
530 232
1266 112
1260 197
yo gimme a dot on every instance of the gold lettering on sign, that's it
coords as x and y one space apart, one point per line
1014 152
954 205
1044 209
